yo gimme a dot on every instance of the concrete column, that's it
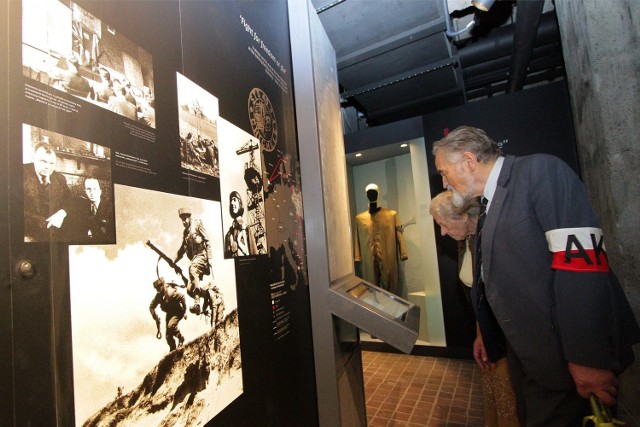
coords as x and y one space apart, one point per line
601 45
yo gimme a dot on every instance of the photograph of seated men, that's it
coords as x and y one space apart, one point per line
67 189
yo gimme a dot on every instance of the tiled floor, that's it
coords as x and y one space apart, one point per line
405 390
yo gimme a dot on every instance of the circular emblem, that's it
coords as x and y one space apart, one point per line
263 119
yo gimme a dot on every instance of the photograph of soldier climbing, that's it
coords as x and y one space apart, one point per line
195 245
134 317
173 304
198 115
242 192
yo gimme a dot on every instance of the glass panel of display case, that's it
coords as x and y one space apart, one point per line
377 311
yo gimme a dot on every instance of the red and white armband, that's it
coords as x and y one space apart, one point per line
578 249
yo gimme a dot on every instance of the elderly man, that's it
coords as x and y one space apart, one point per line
543 291
46 196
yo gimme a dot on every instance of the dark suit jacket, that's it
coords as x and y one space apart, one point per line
550 315
98 228
41 203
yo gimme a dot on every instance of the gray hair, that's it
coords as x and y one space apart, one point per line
442 204
467 138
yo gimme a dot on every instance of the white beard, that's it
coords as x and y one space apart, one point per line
459 199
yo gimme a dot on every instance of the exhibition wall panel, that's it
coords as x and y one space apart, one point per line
156 216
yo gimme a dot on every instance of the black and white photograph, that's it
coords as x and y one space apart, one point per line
155 335
241 193
67 48
198 118
67 185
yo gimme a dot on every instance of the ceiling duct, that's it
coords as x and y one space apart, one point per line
527 18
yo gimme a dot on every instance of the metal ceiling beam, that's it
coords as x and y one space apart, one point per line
494 87
453 61
406 37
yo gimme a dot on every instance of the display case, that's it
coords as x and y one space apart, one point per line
377 311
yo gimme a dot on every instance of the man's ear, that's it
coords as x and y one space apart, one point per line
470 160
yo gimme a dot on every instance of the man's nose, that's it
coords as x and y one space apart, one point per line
445 184
443 232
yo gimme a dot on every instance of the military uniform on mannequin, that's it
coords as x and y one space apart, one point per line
379 243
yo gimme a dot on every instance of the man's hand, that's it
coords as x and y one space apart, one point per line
480 354
602 383
56 219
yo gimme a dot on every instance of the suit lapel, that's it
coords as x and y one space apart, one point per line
495 210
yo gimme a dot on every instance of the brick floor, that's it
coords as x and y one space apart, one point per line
405 390
409 391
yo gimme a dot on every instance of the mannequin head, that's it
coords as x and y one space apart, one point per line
372 191
372 194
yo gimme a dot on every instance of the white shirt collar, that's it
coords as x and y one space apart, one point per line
492 181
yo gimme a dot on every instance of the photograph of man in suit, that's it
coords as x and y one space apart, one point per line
99 216
46 196
543 291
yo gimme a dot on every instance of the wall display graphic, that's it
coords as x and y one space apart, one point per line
67 189
284 200
241 187
198 113
287 270
172 125
127 367
69 49
263 119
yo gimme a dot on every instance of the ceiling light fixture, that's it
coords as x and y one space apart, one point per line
483 5
358 154
403 145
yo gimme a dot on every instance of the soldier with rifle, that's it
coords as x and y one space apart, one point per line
173 304
195 244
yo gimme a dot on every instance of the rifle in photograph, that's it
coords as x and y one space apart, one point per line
169 261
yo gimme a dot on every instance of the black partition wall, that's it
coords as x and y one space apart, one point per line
536 120
151 179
